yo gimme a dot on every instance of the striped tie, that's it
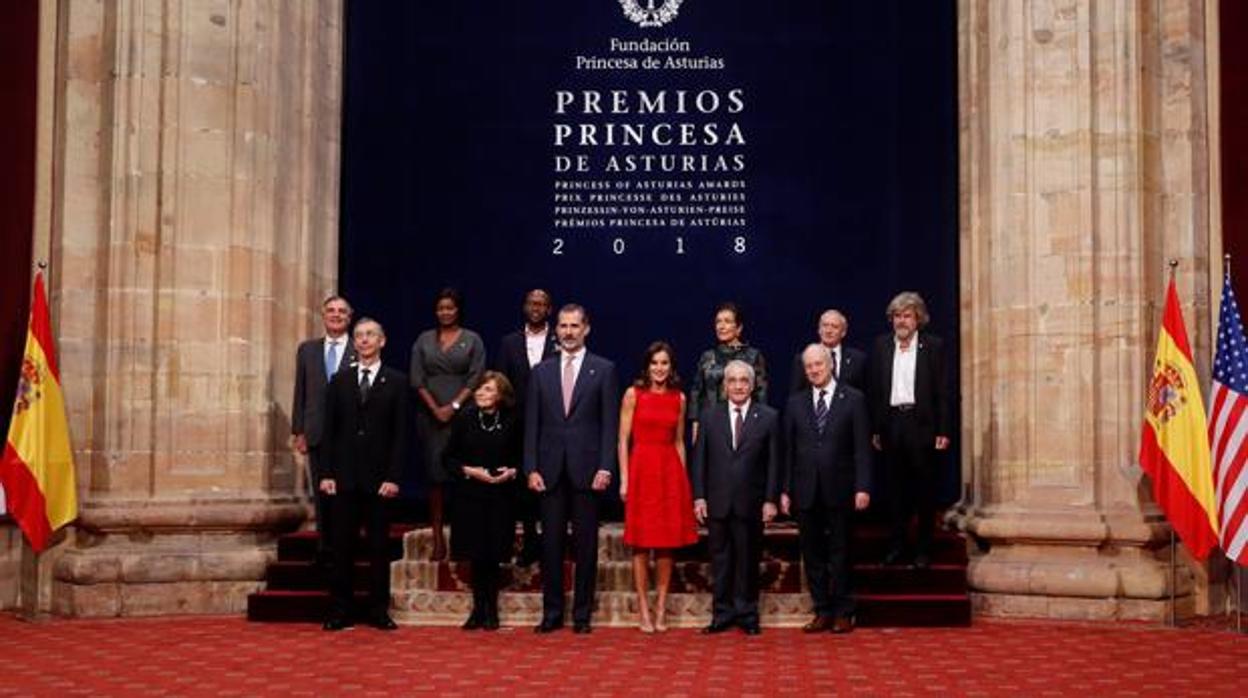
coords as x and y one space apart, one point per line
821 411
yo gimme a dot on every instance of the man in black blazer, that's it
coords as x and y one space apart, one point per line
570 426
827 476
366 424
736 480
849 365
517 354
316 362
910 422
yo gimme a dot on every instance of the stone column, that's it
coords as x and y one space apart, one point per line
1084 161
194 232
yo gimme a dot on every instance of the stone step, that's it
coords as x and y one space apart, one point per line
302 545
617 609
687 576
780 541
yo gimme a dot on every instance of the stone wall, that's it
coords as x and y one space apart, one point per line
1084 168
195 231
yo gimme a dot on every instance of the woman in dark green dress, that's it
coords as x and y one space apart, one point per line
707 388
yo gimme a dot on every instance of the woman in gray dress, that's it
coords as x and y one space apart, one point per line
447 363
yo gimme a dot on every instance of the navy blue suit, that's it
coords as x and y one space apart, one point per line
568 450
824 468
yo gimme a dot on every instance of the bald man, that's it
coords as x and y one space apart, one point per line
849 365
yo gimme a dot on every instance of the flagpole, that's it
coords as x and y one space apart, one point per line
1174 575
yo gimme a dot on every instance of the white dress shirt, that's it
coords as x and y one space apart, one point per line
827 390
372 368
535 344
902 392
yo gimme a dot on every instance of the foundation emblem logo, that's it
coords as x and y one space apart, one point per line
1166 394
651 16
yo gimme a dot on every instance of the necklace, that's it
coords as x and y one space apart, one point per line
493 426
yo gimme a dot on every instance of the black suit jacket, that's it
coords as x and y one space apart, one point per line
365 440
581 443
307 409
737 482
512 360
931 395
827 467
852 372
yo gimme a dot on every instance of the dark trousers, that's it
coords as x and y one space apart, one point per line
324 517
351 510
735 545
485 583
557 505
909 460
825 555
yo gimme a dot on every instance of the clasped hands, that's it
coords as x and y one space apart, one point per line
387 490
483 475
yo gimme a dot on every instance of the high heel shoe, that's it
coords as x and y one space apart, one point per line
646 626
660 623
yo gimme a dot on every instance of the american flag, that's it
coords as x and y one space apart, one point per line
1228 426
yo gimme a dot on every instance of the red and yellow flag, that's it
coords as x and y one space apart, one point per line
1174 445
37 469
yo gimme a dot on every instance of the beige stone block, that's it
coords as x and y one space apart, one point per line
208 106
86 600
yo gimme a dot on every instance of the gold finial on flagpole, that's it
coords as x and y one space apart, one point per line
42 264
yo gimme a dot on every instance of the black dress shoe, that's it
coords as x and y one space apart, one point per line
818 625
582 628
547 626
922 561
843 625
337 623
473 622
716 627
894 557
384 622
490 623
751 629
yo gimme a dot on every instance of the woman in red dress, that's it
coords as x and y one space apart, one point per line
654 484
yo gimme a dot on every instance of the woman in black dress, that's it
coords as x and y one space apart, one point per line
484 453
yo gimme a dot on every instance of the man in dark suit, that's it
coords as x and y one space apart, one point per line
849 365
910 421
366 424
736 479
570 426
827 476
316 362
518 353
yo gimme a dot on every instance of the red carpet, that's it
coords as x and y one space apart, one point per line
230 657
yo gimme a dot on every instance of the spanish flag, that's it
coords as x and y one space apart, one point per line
37 470
1174 445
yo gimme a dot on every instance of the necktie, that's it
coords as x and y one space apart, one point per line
569 382
821 411
365 384
834 371
737 425
331 360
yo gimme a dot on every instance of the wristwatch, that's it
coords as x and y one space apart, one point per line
455 405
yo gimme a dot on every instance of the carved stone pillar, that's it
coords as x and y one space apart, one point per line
1084 167
194 230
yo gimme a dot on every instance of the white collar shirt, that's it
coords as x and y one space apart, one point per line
902 391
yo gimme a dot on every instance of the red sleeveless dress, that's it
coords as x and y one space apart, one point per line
658 511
